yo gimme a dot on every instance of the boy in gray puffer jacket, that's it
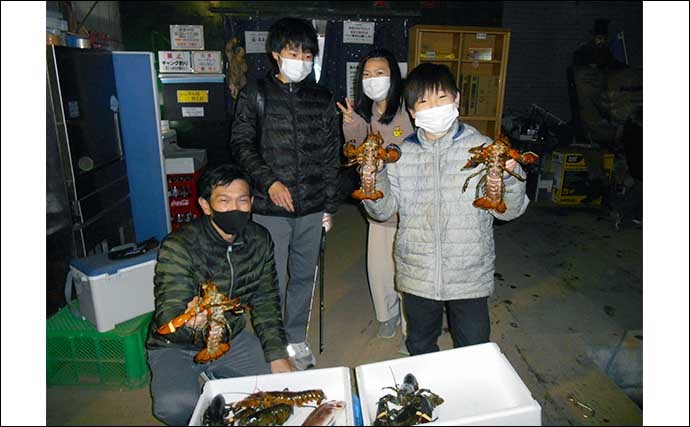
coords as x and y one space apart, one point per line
444 252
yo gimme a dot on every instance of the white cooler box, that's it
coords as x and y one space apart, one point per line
335 383
478 384
114 291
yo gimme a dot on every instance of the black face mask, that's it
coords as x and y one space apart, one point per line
231 222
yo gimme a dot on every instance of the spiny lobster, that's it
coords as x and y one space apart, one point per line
215 304
494 157
367 156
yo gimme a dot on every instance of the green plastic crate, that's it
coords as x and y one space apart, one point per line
78 355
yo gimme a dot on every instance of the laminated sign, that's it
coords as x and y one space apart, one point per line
351 73
187 37
206 62
358 32
174 62
192 96
255 41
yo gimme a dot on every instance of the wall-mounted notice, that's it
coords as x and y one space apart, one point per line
255 41
192 111
358 32
350 73
187 37
207 61
174 62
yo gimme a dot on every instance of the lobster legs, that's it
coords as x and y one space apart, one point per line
368 156
214 305
494 157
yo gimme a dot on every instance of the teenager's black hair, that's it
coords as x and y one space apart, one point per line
292 32
393 100
428 77
222 175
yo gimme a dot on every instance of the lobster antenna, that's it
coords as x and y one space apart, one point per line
393 375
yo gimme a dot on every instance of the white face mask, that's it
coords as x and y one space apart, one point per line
294 69
437 120
376 88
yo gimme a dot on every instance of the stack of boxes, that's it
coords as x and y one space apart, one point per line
183 167
183 196
570 176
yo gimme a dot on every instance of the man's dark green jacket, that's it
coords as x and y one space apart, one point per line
196 253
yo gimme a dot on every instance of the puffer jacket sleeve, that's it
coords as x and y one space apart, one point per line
173 287
515 197
265 304
243 142
387 182
331 156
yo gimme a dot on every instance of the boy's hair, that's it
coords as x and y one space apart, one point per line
428 77
222 175
292 32
393 99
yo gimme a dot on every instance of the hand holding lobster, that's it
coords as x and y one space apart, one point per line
499 159
208 312
369 156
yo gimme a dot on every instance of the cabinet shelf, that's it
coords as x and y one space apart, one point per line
479 63
424 59
472 61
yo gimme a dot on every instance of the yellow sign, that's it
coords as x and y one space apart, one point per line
192 96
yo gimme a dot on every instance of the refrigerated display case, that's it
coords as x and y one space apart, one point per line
81 90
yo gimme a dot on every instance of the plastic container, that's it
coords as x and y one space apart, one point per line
477 383
78 355
114 291
335 383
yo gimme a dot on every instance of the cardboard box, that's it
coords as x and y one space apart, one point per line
477 383
114 291
570 177
335 383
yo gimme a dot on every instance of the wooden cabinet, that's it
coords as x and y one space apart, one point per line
478 58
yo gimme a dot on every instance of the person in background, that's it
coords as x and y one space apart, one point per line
379 108
444 250
224 247
289 143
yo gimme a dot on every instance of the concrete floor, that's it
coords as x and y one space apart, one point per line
567 313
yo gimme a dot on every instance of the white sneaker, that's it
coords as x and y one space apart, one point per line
301 355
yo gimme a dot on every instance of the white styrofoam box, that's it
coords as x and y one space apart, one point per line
112 292
478 384
335 383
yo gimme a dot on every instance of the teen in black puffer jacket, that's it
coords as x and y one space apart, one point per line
298 146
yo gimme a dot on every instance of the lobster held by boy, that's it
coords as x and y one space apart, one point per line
367 156
493 159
